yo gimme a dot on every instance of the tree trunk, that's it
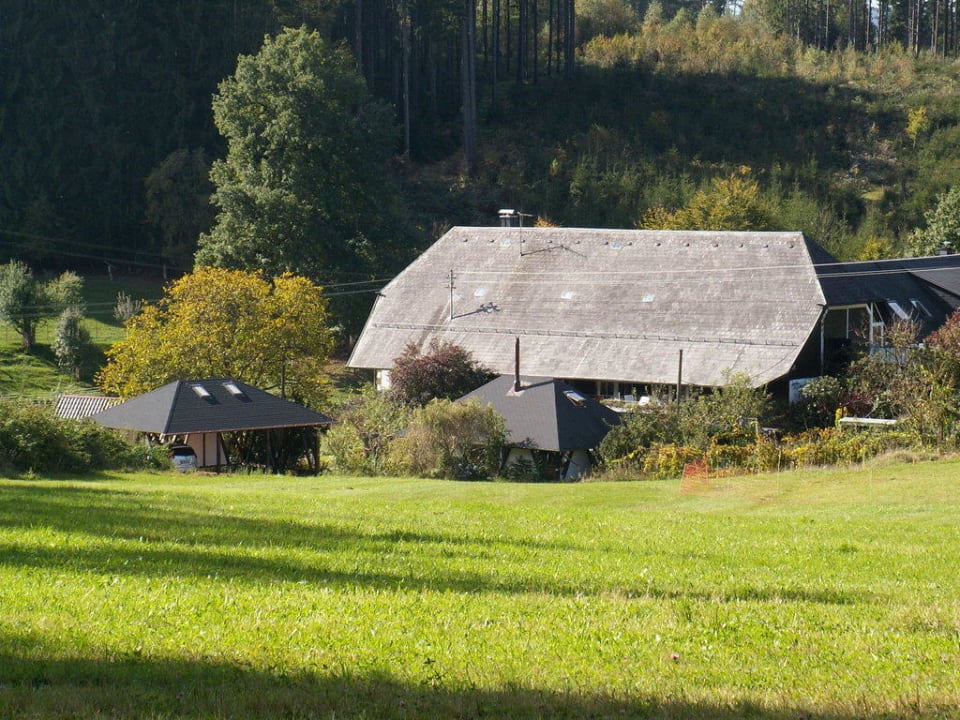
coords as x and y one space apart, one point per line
468 73
405 73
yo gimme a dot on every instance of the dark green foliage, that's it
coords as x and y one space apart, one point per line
97 97
72 341
34 439
102 92
178 203
304 187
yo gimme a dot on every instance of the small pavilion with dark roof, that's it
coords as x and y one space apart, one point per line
548 422
200 412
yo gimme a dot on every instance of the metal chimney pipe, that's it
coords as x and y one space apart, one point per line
516 366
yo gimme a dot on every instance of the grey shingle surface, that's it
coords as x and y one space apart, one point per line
606 304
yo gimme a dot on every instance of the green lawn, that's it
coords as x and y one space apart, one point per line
818 594
37 376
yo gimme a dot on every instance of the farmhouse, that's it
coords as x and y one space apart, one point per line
621 312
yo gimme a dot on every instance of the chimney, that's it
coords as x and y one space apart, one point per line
516 366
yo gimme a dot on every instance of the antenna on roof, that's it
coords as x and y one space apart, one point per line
451 294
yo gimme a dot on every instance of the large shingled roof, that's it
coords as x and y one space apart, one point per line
606 304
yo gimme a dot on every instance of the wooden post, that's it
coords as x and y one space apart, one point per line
516 366
679 375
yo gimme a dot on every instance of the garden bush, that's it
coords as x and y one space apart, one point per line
457 440
33 438
833 446
358 443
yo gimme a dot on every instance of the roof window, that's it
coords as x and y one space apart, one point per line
233 389
200 391
574 397
898 311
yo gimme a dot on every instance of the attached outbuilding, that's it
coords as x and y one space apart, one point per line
553 430
264 429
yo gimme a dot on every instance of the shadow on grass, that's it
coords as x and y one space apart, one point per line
35 686
130 534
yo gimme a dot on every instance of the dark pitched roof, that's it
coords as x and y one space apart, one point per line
211 405
607 304
925 288
546 414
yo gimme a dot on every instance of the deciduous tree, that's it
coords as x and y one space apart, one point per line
943 226
25 300
731 203
226 323
304 186
72 341
444 371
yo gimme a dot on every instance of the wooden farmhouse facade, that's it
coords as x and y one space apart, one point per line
623 312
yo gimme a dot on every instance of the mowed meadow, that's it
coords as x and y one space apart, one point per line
816 594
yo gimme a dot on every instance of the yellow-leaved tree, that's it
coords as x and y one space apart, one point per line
730 203
272 333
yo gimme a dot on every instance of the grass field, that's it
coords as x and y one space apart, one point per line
37 376
818 594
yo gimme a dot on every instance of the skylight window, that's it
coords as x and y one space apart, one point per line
917 305
233 389
568 294
899 311
574 397
479 292
200 391
647 298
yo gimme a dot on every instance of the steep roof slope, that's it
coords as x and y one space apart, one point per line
210 405
546 414
608 304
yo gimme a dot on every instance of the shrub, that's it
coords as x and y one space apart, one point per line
126 307
33 438
666 462
72 341
445 371
639 429
360 439
452 440
832 446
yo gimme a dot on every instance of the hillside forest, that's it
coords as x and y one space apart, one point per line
839 118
